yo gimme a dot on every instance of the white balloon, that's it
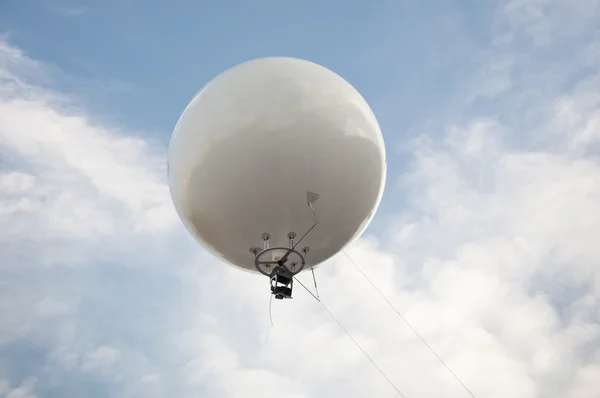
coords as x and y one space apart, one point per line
260 144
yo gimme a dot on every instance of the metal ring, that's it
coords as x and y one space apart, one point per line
258 263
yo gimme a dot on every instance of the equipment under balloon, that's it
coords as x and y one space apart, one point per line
282 282
273 262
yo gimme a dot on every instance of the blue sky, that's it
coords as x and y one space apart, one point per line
137 64
485 239
153 48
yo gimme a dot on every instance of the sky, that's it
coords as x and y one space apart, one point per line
485 240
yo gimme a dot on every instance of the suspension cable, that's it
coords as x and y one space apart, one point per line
351 338
409 325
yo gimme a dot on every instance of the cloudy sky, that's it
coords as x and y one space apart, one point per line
486 239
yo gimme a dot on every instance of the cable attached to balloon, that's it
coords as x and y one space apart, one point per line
313 211
290 250
408 324
270 318
397 312
351 338
315 281
312 270
317 297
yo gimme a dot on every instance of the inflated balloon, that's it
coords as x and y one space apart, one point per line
272 149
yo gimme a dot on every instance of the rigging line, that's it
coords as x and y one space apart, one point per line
285 256
270 318
313 212
304 236
352 338
307 289
314 280
409 325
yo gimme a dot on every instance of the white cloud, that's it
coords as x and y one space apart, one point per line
79 176
545 21
102 359
25 390
494 79
493 258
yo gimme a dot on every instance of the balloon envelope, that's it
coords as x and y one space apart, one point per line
262 142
